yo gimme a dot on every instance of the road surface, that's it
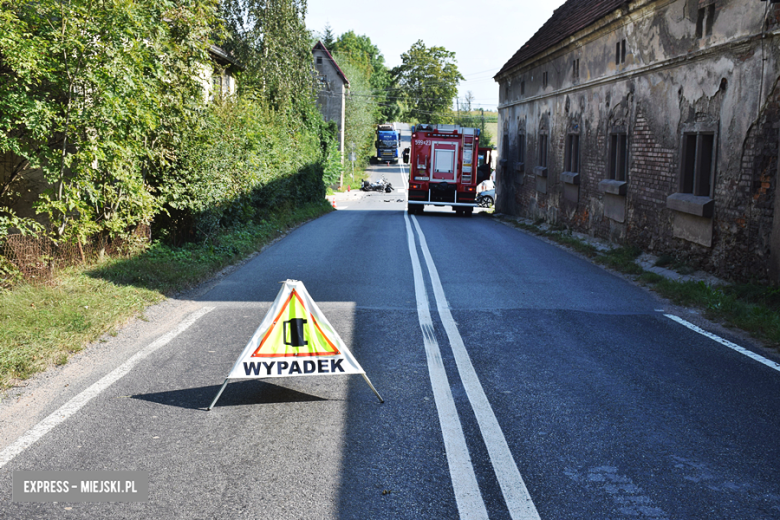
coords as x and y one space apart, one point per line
520 381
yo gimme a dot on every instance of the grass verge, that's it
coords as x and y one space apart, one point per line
752 308
42 325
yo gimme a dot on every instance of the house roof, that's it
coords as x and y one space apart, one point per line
320 46
222 57
568 19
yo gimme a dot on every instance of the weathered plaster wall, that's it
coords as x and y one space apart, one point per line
671 81
331 96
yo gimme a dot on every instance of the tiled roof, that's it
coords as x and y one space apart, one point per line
322 47
569 18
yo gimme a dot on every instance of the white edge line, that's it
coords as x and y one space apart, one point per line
726 343
518 499
464 481
76 403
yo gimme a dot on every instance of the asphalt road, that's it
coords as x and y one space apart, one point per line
519 381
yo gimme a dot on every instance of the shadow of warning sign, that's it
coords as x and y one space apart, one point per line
240 393
294 339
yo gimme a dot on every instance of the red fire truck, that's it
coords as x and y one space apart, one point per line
443 168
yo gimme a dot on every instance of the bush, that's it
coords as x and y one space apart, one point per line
240 163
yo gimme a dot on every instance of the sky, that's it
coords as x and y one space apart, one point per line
483 35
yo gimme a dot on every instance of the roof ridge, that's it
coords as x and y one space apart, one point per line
571 17
333 61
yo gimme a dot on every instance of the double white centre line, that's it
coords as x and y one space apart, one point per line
467 494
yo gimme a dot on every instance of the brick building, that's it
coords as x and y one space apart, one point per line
653 123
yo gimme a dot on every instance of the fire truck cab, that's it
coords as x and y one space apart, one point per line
442 168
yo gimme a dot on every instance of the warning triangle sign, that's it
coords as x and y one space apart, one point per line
294 339
295 331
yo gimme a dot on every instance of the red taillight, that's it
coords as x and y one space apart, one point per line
413 186
470 189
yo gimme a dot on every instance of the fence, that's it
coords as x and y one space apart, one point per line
37 258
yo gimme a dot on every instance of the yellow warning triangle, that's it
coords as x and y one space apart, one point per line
295 332
294 326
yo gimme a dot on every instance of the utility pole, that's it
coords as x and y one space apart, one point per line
352 159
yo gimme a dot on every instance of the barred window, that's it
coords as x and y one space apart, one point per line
698 163
618 157
572 155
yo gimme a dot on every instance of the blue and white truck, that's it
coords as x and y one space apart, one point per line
387 140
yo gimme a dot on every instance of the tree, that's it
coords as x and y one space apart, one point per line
428 82
95 94
363 54
327 37
468 100
269 38
361 108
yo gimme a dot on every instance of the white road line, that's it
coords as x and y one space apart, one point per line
516 495
752 355
75 404
464 481
405 181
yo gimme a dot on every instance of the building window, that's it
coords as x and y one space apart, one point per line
572 155
705 19
576 69
710 20
522 87
698 163
319 60
620 52
521 148
216 87
618 157
544 79
543 150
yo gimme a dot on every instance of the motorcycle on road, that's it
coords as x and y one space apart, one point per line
381 185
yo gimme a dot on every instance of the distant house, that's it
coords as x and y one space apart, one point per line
652 123
17 176
219 75
333 85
